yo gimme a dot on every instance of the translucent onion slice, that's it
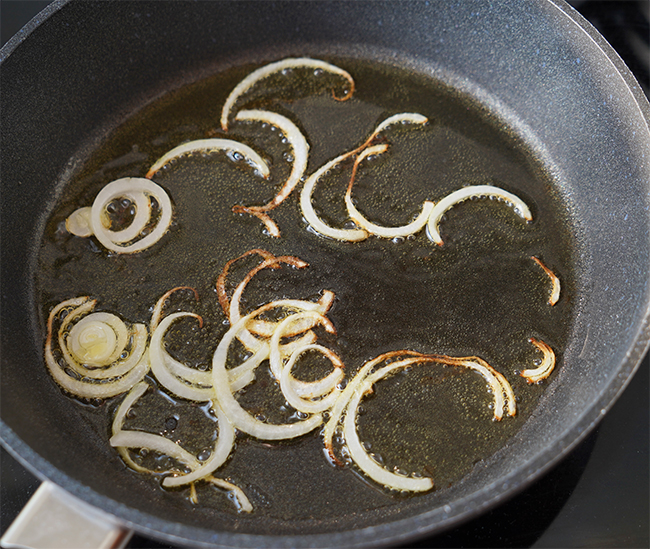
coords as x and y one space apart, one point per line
300 153
504 397
157 312
130 399
222 449
78 222
138 190
547 365
342 401
273 68
212 145
358 453
157 443
308 212
97 339
159 364
288 382
475 191
377 230
241 501
555 282
303 388
222 295
239 417
112 381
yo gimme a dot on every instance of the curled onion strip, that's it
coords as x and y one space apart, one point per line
222 449
306 206
377 230
242 502
308 212
157 443
138 190
130 399
311 388
212 145
288 382
239 417
358 453
157 313
475 191
300 153
118 380
160 364
341 403
555 282
78 222
222 295
273 68
547 365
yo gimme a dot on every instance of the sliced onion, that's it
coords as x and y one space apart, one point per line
555 282
358 453
239 417
222 449
545 368
341 403
377 230
157 443
157 313
130 399
242 502
222 295
273 68
159 363
288 382
78 222
308 212
117 378
208 146
138 190
276 355
475 191
300 153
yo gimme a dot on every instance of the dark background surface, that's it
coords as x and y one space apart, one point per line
598 496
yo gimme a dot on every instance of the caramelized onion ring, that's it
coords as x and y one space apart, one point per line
555 282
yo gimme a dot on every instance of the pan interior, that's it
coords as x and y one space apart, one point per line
479 294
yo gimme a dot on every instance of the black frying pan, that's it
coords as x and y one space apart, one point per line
571 113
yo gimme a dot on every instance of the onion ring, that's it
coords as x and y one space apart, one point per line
137 190
118 376
239 417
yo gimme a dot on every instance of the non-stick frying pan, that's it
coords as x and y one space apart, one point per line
541 71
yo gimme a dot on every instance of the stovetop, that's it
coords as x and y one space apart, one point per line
599 495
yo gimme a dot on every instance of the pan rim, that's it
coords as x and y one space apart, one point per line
533 470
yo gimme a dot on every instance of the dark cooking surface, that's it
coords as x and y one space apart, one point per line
597 497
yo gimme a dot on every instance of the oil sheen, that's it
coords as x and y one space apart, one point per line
478 294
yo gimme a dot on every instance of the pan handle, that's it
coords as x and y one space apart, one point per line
54 518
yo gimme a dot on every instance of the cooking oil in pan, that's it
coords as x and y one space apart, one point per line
479 294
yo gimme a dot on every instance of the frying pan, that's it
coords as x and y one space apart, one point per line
85 66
